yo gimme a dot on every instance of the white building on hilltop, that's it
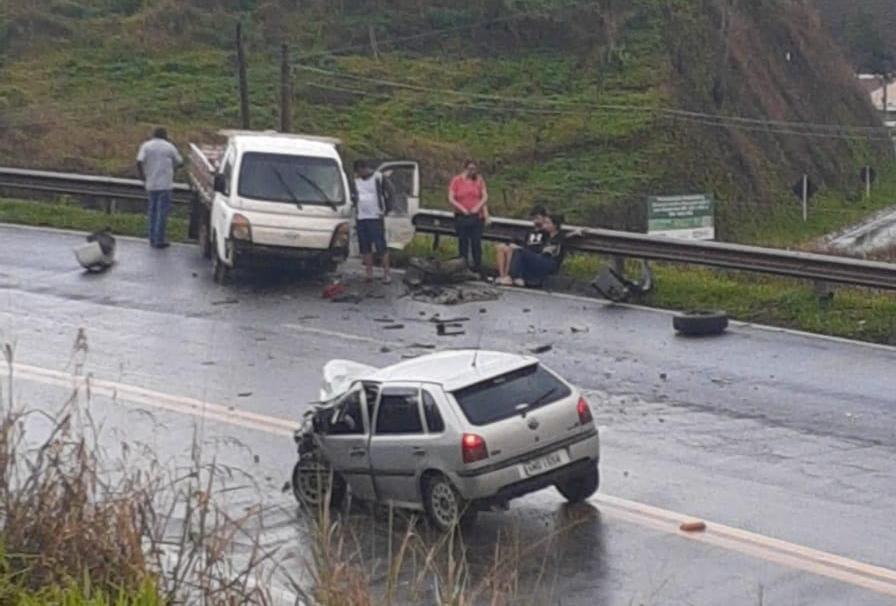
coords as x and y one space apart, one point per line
882 97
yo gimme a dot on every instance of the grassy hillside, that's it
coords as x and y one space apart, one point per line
556 98
864 28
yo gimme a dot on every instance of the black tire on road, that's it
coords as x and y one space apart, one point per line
204 238
579 488
701 323
220 271
311 480
445 508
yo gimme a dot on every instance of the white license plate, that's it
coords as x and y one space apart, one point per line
545 463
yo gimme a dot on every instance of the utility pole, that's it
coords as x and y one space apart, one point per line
374 46
805 198
245 121
285 90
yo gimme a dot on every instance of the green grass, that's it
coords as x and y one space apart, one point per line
67 215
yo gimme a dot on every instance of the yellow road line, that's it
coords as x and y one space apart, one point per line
867 576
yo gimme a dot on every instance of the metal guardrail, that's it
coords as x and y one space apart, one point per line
82 185
809 266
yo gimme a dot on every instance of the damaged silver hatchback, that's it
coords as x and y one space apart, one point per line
449 434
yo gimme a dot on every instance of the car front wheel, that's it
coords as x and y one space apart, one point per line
312 479
579 488
444 506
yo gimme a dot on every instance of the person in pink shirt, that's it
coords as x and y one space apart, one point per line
468 195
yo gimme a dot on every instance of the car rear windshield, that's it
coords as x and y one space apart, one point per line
498 398
291 179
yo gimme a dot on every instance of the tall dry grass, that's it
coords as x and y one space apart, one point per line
70 512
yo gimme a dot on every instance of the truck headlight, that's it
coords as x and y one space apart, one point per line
341 237
240 229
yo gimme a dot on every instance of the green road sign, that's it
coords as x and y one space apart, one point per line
683 217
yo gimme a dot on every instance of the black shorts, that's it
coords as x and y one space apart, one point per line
371 236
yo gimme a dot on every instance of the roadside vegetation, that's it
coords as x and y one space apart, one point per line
89 519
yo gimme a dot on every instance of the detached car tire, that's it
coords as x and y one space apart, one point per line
444 506
701 323
579 488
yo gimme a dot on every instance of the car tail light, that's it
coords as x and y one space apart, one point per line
474 448
240 229
584 412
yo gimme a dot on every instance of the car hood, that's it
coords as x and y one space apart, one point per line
339 375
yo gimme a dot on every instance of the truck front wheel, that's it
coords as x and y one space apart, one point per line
204 237
220 271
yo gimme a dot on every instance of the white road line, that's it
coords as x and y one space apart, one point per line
342 335
867 576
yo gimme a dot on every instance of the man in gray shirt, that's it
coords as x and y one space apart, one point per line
156 162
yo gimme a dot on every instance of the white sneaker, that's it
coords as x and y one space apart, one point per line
519 282
504 281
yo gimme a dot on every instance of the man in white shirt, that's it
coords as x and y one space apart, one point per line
156 162
371 206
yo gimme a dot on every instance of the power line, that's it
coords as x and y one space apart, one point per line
437 32
717 122
579 108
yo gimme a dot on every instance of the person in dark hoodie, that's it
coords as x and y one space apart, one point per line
529 267
534 242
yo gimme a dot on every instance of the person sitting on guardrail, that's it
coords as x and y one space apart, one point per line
534 242
530 268
156 162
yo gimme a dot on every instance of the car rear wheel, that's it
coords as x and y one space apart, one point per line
579 488
312 479
444 506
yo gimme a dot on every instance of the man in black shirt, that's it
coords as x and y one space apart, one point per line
534 242
531 267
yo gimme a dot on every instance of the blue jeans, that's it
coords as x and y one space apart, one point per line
530 266
469 239
159 207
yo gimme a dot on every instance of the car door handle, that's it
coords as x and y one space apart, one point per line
419 452
357 452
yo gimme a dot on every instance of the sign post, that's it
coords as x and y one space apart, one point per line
805 198
682 217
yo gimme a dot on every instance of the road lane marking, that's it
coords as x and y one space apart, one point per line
342 335
138 395
799 557
860 574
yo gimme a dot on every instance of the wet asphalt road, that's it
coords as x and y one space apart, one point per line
784 435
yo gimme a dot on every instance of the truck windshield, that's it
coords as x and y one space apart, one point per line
498 398
291 179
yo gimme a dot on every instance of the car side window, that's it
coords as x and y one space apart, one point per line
399 412
350 418
434 421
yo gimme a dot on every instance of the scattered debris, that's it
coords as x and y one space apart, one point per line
693 526
98 254
333 290
483 311
195 275
385 349
384 320
226 302
540 349
436 318
257 459
245 394
453 295
663 376
347 298
661 420
423 345
307 318
208 363
526 310
442 328
393 327
287 486
579 329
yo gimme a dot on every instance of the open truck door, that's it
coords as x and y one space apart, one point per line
404 177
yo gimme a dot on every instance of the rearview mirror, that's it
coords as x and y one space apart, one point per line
220 184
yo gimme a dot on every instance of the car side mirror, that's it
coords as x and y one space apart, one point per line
220 183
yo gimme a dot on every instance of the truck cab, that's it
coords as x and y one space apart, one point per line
283 198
